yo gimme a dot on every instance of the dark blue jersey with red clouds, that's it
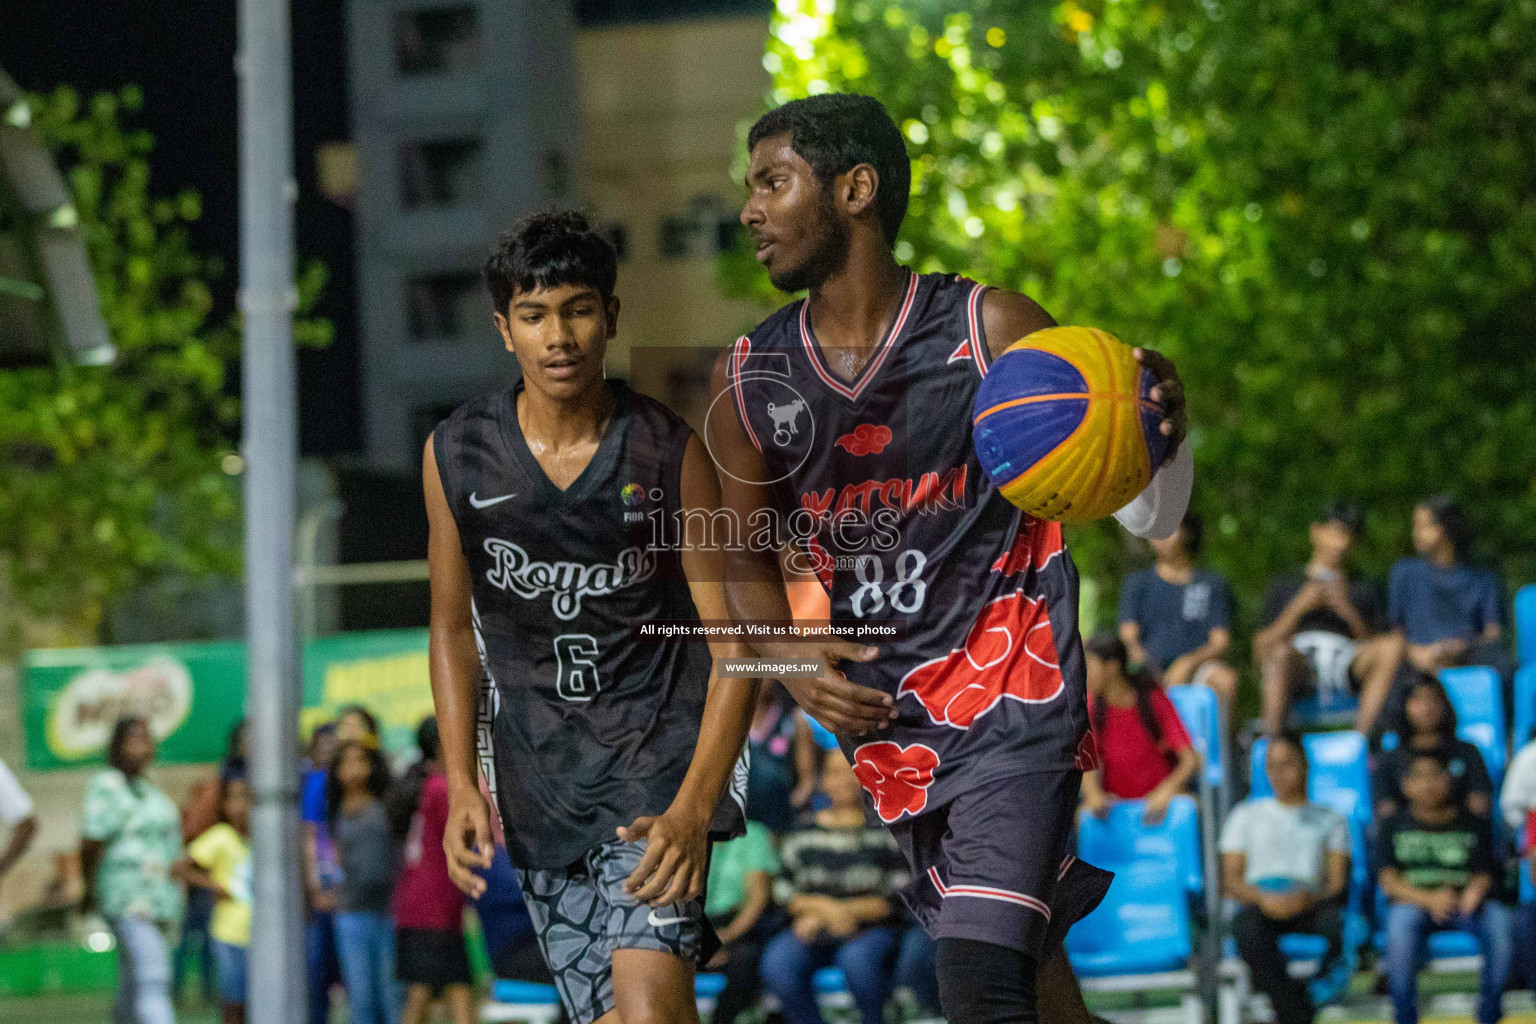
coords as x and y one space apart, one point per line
904 526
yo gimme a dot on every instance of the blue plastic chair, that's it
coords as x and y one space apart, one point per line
1525 703
525 1001
1122 839
1477 694
1200 711
1141 927
1525 624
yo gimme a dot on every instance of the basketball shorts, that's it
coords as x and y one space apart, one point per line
581 914
995 864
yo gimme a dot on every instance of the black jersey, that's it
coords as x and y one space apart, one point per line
590 727
989 677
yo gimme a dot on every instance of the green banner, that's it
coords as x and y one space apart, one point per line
193 694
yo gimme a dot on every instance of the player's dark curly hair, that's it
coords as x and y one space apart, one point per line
548 249
836 132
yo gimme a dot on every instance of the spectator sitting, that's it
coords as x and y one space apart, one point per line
782 770
1287 862
1176 618
1144 752
837 882
219 862
1430 728
429 909
1437 869
1449 612
1323 631
1517 796
365 934
739 903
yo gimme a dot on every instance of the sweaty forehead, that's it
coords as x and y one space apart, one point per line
554 295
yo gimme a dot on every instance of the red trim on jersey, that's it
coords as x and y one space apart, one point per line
743 348
977 342
872 367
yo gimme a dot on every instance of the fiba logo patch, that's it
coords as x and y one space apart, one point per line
633 496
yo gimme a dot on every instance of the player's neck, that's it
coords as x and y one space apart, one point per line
558 423
855 306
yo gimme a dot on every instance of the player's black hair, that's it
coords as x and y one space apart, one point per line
1292 739
548 249
1452 518
1194 533
1108 647
834 133
1345 513
120 730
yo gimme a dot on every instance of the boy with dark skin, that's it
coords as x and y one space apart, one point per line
830 229
562 414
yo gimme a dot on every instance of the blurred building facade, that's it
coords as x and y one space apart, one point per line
469 113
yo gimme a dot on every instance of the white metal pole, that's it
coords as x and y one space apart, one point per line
277 980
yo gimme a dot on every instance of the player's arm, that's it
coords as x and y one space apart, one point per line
677 848
454 663
754 586
1157 511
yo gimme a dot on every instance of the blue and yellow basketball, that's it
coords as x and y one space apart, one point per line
1063 425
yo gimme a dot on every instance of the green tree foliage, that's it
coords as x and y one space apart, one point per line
112 475
1325 212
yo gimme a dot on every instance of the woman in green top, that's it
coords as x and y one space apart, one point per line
740 905
131 838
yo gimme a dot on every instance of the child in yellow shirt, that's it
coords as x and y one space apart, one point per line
220 860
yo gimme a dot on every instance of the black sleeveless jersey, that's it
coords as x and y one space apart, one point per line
989 677
589 727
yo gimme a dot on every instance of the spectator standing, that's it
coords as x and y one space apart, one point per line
1449 612
1437 870
1144 751
365 933
1176 618
1286 861
837 882
16 813
1323 631
322 876
219 862
739 903
431 960
1429 724
200 811
130 840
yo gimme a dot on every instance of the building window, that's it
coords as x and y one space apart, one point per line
444 306
707 228
442 173
440 41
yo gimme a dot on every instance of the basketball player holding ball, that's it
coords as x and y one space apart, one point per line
970 730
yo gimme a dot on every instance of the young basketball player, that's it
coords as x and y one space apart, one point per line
852 409
610 753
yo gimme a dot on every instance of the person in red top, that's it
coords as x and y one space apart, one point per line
1144 752
430 958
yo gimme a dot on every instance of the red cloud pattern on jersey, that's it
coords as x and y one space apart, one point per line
866 439
1010 652
896 777
1033 546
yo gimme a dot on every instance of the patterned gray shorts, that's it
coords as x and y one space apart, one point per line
582 914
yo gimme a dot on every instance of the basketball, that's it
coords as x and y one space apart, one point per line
1063 425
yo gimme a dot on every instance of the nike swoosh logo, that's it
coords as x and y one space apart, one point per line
662 922
478 502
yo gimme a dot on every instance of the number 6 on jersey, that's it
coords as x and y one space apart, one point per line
577 679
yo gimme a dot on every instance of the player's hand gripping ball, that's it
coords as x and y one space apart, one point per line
1064 426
